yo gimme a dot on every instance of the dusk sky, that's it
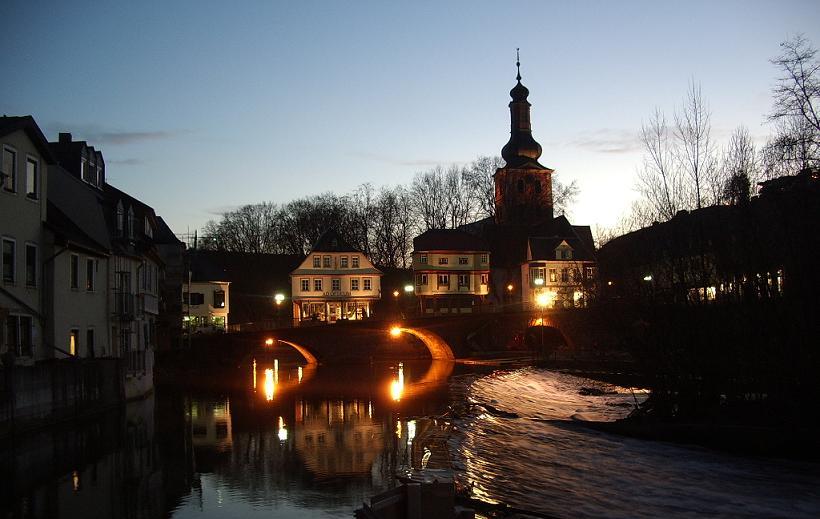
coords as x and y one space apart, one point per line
199 107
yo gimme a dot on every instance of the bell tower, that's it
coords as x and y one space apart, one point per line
523 187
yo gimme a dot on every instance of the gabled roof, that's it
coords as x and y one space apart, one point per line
331 241
164 235
449 240
69 233
27 124
543 248
80 204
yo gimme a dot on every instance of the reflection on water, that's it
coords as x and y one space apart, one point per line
298 440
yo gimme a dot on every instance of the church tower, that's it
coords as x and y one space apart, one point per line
523 187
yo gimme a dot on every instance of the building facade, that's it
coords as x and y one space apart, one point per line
558 273
451 271
23 210
335 282
207 305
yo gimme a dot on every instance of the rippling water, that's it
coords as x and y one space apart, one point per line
524 445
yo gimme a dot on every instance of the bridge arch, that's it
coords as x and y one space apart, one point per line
438 347
308 356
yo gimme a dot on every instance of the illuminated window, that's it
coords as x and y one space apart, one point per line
443 280
354 262
74 271
32 183
590 272
343 262
443 261
423 259
354 284
485 258
73 341
9 169
326 262
219 299
336 284
304 284
463 280
317 285
484 279
368 284
553 276
317 261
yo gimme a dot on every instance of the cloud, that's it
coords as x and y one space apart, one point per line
222 209
126 162
97 135
608 140
401 162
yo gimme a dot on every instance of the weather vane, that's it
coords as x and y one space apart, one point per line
518 64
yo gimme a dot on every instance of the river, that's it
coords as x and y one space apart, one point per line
281 440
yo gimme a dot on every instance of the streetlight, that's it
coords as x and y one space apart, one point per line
408 288
396 293
279 298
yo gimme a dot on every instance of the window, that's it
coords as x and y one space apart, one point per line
367 284
326 262
90 270
304 284
19 334
9 258
219 299
31 265
484 279
463 280
317 285
197 298
73 341
576 274
590 272
74 271
421 279
147 227
120 218
553 276
84 170
335 284
423 259
443 280
354 262
131 222
9 169
89 342
343 262
354 284
31 179
317 261
485 258
563 254
536 273
443 261
462 260
564 275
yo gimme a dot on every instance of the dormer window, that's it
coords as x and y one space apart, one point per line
131 222
148 230
317 261
120 218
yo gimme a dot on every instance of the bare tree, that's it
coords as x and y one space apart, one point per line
695 151
563 196
796 143
660 182
479 179
429 199
740 167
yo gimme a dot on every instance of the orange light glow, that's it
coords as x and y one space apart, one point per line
395 331
510 288
397 385
269 385
269 342
395 293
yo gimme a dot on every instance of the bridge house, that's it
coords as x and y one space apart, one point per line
335 282
451 269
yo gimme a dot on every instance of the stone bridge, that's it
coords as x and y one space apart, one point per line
439 338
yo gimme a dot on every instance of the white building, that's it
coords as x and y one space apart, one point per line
207 305
334 282
558 273
451 270
23 183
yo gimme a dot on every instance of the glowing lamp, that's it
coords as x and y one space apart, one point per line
269 342
408 288
539 281
510 288
395 331
648 277
395 293
279 298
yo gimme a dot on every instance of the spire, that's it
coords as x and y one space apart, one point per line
518 65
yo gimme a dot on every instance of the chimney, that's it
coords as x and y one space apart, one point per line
65 138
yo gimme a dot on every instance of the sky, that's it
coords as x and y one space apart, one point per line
200 107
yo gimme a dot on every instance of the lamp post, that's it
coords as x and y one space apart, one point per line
542 300
278 298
